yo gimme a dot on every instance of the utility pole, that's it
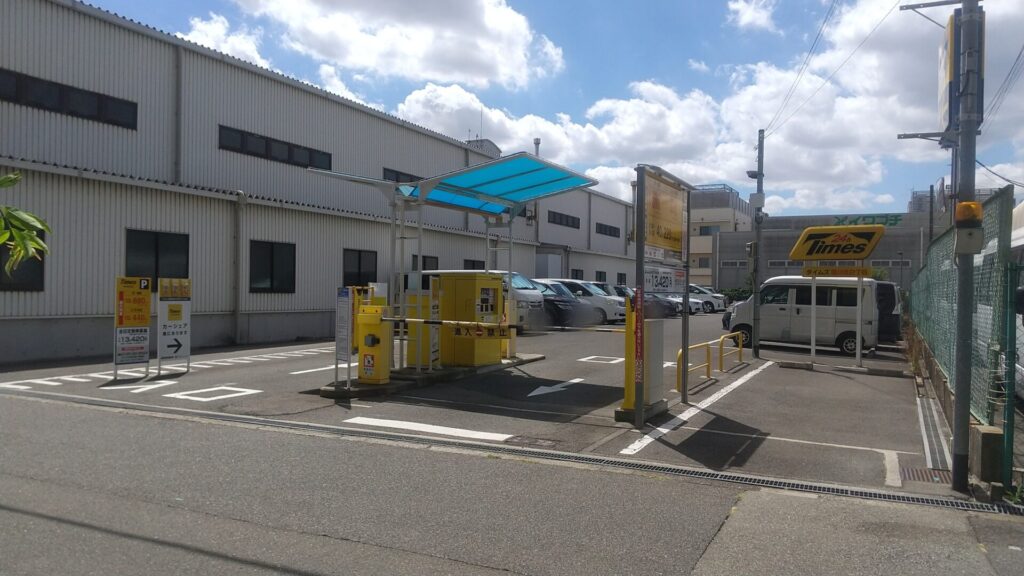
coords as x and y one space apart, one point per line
757 201
970 120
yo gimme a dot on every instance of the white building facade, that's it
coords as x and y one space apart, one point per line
151 156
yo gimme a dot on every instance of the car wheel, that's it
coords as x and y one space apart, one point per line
692 311
847 342
745 336
709 307
602 317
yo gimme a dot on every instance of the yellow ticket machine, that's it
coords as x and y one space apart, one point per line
471 297
374 338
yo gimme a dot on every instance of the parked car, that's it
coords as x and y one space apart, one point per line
694 304
786 313
711 301
562 307
655 305
608 308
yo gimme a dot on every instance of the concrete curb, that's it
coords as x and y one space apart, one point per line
886 372
407 379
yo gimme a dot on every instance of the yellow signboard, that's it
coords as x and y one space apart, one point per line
665 213
836 271
132 304
175 289
837 242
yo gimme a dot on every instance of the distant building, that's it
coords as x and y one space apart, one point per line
714 208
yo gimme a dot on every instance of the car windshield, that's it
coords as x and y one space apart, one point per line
521 282
560 289
594 288
624 291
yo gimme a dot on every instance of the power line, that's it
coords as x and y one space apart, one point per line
834 72
803 66
1007 85
998 175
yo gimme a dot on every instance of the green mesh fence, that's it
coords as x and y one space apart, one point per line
934 303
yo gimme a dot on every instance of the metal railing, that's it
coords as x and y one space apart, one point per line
738 336
706 365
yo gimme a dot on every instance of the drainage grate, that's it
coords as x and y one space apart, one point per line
927 475
680 471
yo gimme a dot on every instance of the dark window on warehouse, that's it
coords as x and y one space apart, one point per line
271 267
576 274
156 255
429 262
563 219
600 276
400 177
620 279
360 267
251 144
27 277
607 230
63 99
709 230
473 265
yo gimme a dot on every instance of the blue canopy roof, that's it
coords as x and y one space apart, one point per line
493 187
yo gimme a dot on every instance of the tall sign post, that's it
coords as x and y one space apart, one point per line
132 302
662 254
840 242
343 334
174 321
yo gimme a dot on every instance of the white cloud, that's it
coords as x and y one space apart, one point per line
698 66
216 34
753 14
476 43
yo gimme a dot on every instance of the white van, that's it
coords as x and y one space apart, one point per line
529 300
786 313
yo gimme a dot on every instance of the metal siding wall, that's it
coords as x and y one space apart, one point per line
607 212
359 142
60 44
572 203
89 220
591 263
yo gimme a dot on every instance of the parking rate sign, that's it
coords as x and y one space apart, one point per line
174 318
132 301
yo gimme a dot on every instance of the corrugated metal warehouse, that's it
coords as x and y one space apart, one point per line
149 155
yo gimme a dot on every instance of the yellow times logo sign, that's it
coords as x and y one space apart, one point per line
837 242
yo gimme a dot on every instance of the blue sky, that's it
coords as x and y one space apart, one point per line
607 84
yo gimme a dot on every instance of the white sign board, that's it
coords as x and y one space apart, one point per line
664 280
174 318
131 346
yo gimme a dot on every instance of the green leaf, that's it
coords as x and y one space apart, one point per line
4 235
29 221
10 180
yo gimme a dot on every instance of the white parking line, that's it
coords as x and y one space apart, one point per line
602 359
192 394
43 382
15 386
73 379
430 428
331 367
685 416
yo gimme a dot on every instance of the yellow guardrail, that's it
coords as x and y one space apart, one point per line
706 365
721 349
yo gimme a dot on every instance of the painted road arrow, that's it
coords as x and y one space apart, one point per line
556 388
176 345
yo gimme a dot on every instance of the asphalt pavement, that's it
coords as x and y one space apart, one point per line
96 490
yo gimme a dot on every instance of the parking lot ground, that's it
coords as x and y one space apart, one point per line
755 417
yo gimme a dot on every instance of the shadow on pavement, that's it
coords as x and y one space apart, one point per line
721 444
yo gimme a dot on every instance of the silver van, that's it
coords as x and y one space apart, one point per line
786 313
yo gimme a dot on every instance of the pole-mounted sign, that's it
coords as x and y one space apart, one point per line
174 320
132 301
855 242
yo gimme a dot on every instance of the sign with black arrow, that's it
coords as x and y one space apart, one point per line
174 318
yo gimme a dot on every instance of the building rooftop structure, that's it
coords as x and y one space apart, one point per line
719 196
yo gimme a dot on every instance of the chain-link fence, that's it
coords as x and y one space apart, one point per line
933 301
